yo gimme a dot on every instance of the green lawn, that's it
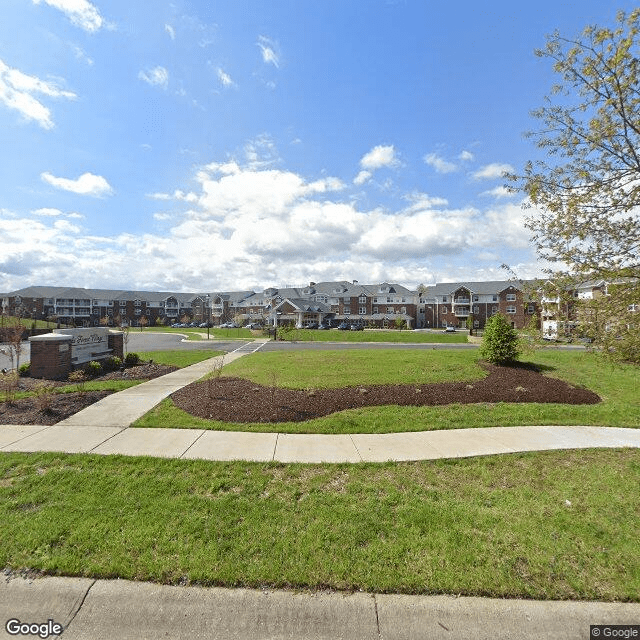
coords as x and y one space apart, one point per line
616 385
376 335
549 525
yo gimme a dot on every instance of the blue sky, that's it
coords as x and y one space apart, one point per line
239 144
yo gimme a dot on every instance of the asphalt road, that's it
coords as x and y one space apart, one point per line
149 341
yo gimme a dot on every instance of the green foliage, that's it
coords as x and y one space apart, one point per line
25 370
500 341
93 368
586 195
112 363
131 359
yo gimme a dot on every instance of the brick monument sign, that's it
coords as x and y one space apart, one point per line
54 355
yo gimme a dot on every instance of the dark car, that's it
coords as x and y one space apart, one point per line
344 326
356 327
312 325
324 326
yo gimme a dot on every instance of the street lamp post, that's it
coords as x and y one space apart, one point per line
208 314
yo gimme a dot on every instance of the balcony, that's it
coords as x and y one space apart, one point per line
461 301
462 312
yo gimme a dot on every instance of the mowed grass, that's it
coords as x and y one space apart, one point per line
376 335
616 385
549 525
178 357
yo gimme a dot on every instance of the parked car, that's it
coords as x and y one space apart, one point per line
253 325
356 327
344 326
450 330
312 325
204 325
324 326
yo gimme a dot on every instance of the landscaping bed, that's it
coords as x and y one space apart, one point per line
241 401
63 404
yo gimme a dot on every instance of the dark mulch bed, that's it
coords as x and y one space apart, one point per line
238 400
64 405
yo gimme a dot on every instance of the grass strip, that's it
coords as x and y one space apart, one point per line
179 357
548 525
377 335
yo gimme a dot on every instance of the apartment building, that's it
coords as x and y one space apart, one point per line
457 304
373 305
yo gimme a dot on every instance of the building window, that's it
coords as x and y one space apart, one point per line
362 310
511 309
375 310
494 310
476 298
389 309
476 309
403 310
444 298
362 299
137 303
347 311
443 309
495 298
511 297
531 308
138 312
123 303
476 323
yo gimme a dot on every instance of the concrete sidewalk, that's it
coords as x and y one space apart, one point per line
118 609
284 447
122 408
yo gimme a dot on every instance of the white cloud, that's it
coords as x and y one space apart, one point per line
17 89
170 30
466 156
380 156
498 192
87 184
268 48
439 164
246 226
156 77
47 212
492 171
225 78
82 13
362 177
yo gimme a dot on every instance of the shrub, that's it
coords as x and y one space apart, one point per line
79 377
112 363
25 370
44 396
93 368
500 341
132 359
9 386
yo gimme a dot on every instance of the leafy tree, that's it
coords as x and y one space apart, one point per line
500 343
587 191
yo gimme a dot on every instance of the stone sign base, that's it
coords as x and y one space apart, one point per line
54 355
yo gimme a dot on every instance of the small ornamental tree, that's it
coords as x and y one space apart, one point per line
500 341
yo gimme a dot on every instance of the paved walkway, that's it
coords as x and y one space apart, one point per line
118 609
